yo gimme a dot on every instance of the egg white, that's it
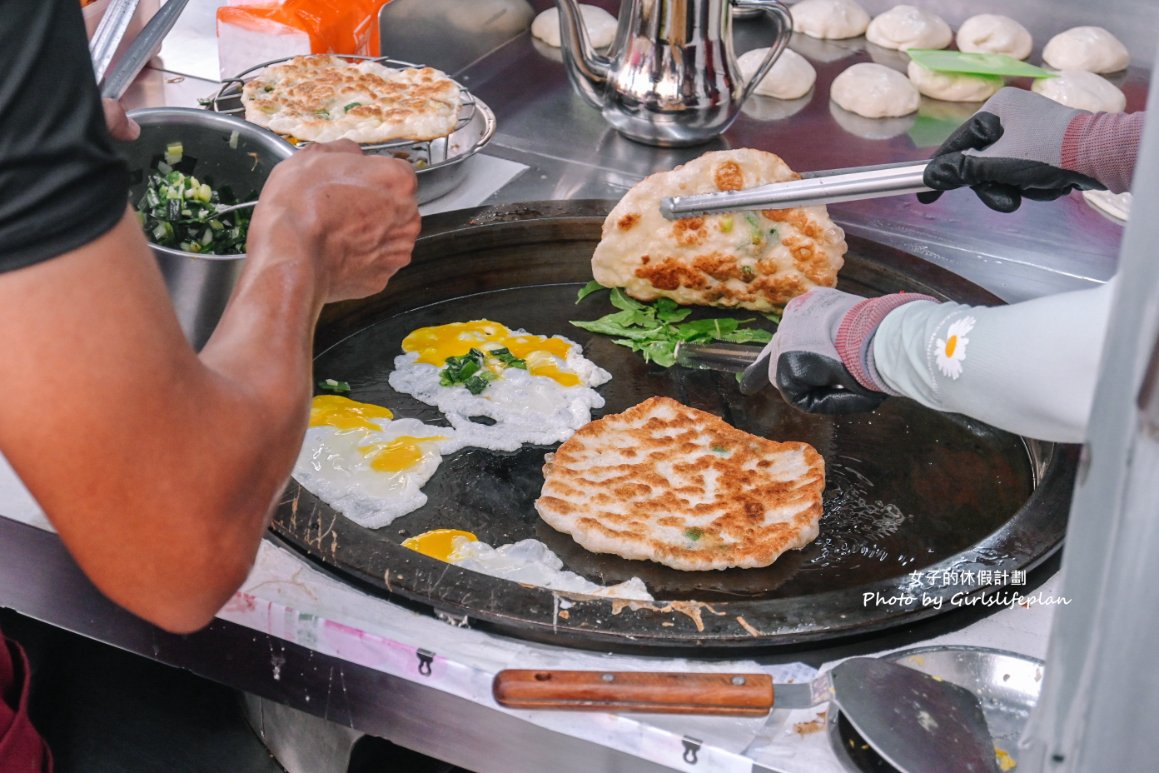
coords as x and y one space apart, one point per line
526 408
334 466
531 562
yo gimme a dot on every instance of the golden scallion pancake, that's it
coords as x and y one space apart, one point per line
324 98
668 483
751 260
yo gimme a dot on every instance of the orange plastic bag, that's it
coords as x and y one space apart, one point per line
333 26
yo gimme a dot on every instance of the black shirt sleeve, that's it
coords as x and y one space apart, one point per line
62 183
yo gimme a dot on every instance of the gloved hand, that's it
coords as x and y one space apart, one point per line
821 357
1010 149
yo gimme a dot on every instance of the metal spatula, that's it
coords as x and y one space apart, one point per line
918 723
731 358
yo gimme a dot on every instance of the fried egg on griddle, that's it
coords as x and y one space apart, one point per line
365 463
530 388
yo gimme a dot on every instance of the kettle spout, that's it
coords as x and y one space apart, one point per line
587 69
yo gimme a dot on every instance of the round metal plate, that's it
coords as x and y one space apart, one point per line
909 491
439 163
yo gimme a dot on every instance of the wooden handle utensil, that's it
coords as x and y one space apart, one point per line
641 691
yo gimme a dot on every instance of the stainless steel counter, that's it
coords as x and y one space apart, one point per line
271 640
1043 248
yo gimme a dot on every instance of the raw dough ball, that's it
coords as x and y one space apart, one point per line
829 19
600 24
875 91
905 26
1082 90
989 33
953 87
790 77
1086 48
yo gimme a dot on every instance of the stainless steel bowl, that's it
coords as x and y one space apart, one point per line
224 152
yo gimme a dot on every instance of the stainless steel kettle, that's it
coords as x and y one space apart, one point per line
671 77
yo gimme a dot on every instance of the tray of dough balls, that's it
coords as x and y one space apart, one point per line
389 107
909 70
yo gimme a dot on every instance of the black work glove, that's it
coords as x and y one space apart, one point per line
821 355
1010 149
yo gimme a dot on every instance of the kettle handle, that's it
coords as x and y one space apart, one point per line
784 21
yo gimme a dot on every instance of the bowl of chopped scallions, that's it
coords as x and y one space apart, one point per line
186 165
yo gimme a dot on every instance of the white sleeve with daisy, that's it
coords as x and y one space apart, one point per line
1029 367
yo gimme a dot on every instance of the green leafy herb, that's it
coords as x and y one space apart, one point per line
719 450
591 287
333 385
653 329
351 106
693 534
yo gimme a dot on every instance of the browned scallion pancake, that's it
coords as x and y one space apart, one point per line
669 483
751 260
324 98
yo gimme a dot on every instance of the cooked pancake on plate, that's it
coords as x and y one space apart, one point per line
669 483
751 260
324 98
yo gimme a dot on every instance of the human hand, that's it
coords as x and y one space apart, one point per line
821 357
1011 149
121 126
356 214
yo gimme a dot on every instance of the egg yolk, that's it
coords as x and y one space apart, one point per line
434 345
344 414
397 454
438 543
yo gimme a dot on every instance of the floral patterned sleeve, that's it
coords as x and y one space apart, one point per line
1028 367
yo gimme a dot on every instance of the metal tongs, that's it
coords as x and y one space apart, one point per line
824 187
108 36
109 32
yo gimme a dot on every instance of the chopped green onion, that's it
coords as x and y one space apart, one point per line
179 211
333 385
174 152
471 370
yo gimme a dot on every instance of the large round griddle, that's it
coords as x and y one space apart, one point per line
916 502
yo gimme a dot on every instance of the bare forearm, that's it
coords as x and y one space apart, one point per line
157 468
